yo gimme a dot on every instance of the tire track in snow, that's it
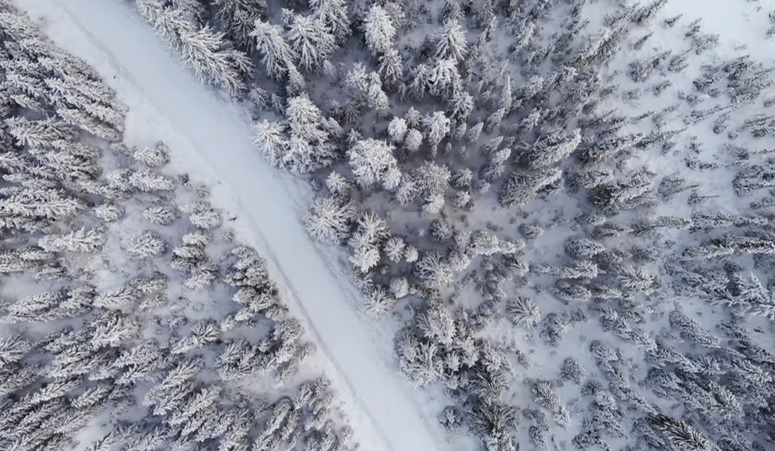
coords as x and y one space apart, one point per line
126 51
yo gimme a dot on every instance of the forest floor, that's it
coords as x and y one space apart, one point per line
209 138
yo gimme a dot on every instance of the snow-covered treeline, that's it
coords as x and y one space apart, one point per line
130 315
565 206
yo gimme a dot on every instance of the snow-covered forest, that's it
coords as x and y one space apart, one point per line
558 216
131 317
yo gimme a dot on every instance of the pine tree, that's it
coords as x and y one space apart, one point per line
372 161
441 78
202 215
154 157
680 434
433 271
438 126
691 330
391 67
520 188
276 54
461 104
119 298
644 14
334 15
82 241
451 41
413 140
162 215
310 40
397 129
147 180
523 311
582 248
206 52
109 212
146 244
437 324
747 294
375 96
329 220
493 422
545 396
551 149
13 349
112 328
308 148
241 15
474 132
270 139
378 30
432 182
572 370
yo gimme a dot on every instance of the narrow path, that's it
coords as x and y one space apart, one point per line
210 138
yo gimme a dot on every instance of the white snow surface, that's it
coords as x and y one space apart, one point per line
210 139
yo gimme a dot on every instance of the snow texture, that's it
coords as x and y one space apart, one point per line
210 139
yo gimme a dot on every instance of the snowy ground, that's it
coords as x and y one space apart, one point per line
210 139
737 22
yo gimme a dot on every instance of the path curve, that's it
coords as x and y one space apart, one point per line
112 38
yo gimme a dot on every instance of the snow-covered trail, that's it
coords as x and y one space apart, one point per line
210 139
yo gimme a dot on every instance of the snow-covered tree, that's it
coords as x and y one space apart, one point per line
276 54
270 139
746 293
371 161
679 434
379 31
441 78
162 215
397 129
521 188
202 215
432 181
146 244
451 41
572 370
399 287
112 328
474 132
551 149
523 311
147 180
582 248
334 15
545 396
119 298
13 349
82 241
437 324
394 248
329 220
305 119
241 15
310 41
413 140
207 52
690 330
391 67
461 105
437 126
154 157
365 89
433 271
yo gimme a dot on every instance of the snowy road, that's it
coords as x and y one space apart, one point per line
210 139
